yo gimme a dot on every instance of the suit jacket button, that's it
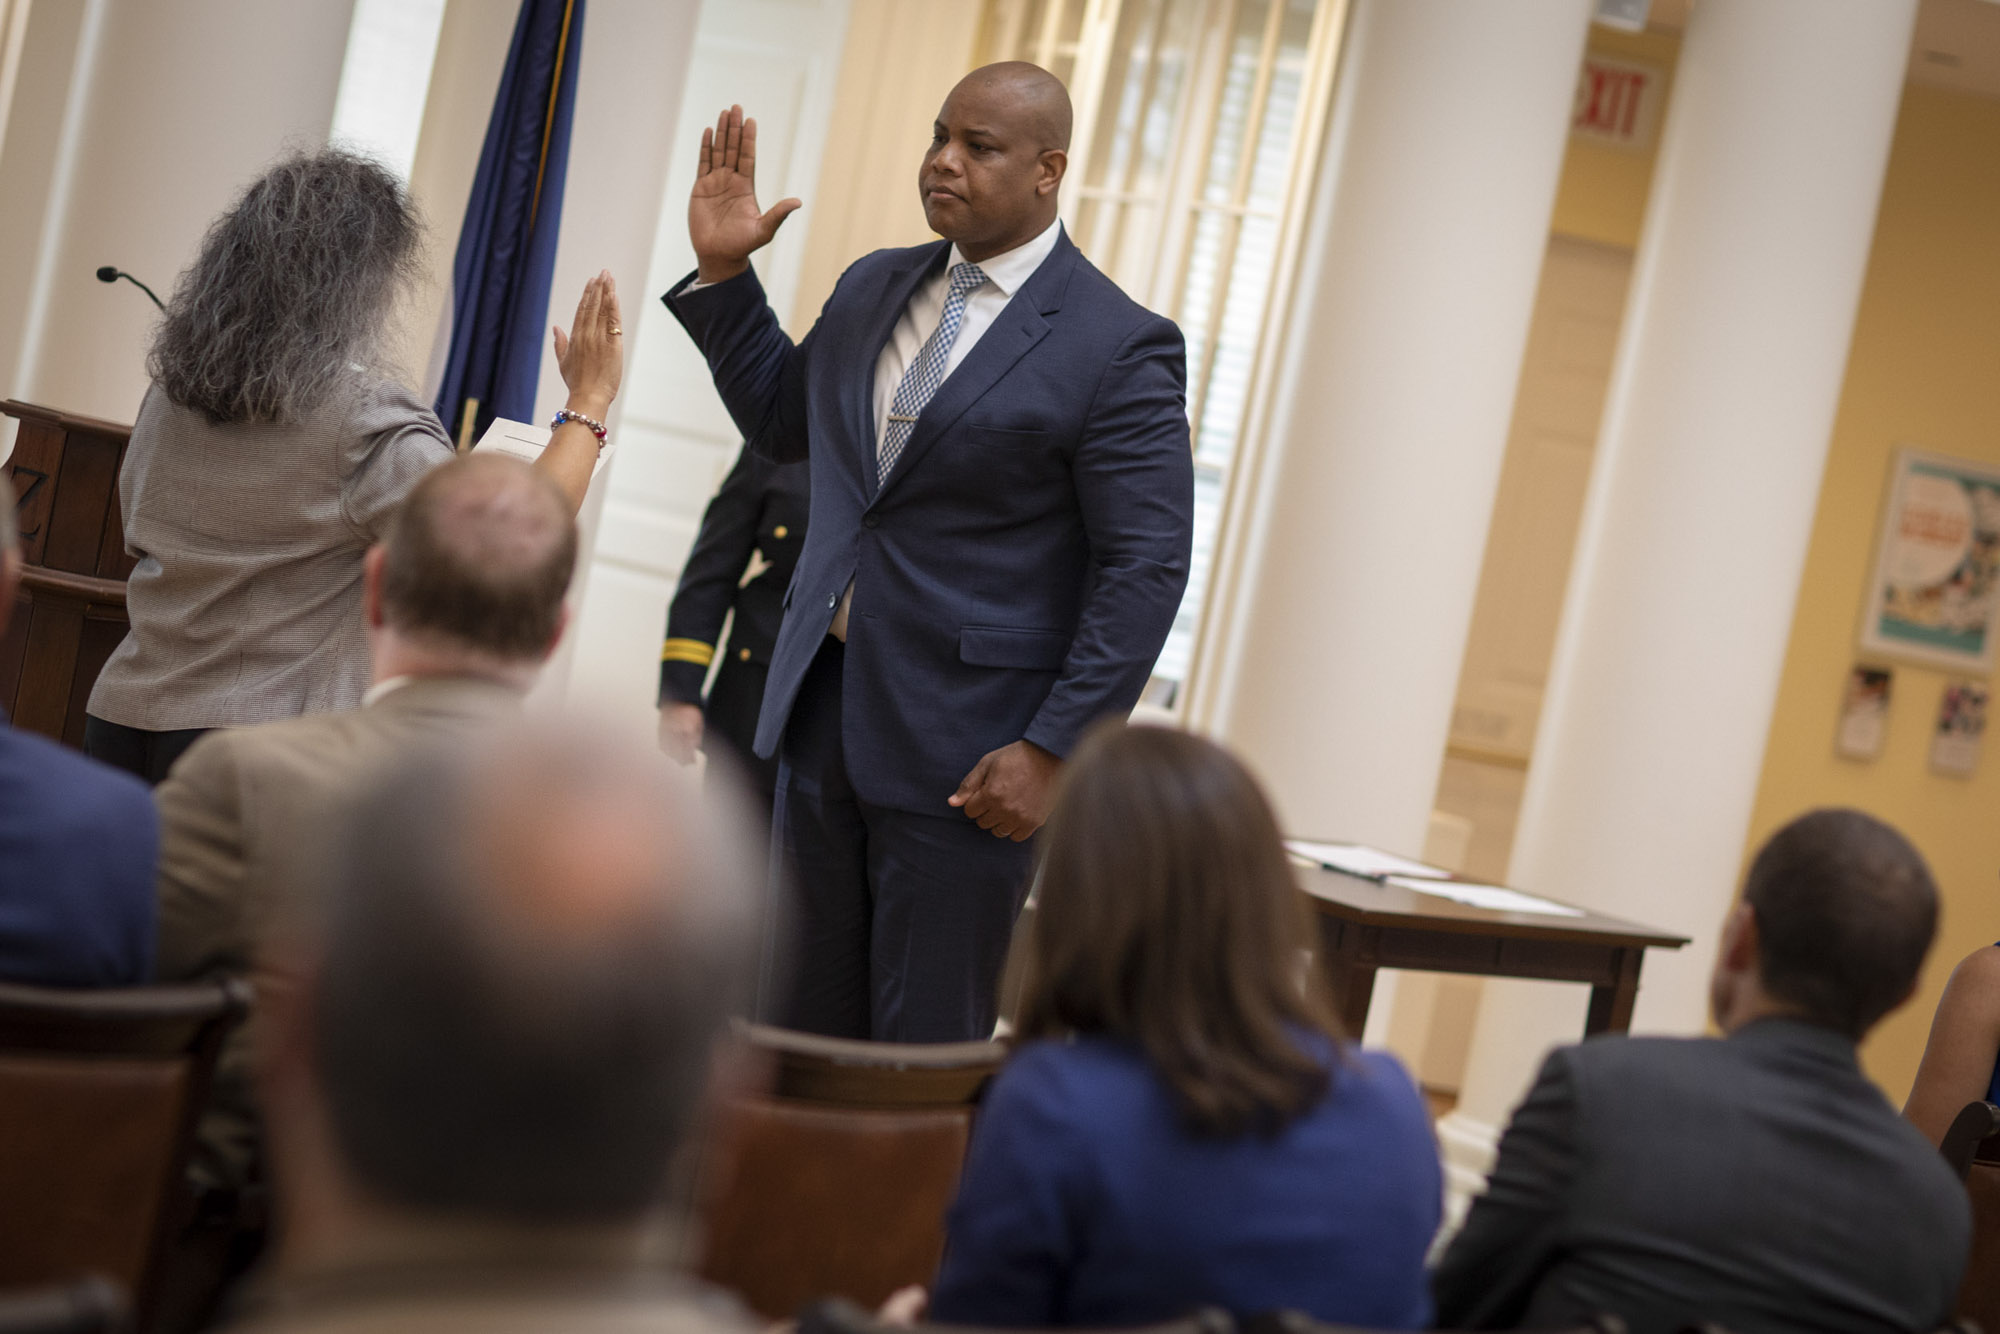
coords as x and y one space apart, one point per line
871 521
832 601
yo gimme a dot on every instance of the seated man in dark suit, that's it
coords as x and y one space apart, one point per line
515 986
78 842
1758 1180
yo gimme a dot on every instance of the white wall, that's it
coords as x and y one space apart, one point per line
171 110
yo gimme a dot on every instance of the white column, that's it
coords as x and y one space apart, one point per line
171 110
1333 651
1694 535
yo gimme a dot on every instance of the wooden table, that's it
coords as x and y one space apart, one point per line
1365 925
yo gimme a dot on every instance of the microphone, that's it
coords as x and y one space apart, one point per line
111 274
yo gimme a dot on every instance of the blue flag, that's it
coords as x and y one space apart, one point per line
507 246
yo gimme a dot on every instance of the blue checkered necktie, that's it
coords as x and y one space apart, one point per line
926 373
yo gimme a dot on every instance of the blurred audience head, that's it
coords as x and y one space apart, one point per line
1838 912
476 563
516 980
294 287
1169 915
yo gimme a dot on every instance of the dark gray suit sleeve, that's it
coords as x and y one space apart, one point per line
1490 1270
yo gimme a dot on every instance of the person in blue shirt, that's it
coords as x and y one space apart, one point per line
78 846
1184 1124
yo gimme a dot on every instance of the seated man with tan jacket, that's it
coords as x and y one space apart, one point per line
464 602
515 987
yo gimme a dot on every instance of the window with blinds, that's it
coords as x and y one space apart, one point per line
1197 123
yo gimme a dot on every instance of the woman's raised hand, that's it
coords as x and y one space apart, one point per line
592 353
724 222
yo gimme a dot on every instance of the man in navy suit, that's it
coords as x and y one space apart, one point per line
78 842
1002 503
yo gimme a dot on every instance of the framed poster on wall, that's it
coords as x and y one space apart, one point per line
1936 588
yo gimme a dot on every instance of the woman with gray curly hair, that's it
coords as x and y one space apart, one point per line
271 451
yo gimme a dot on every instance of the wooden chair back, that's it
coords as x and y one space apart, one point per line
99 1094
91 1305
837 1184
1972 1148
843 1072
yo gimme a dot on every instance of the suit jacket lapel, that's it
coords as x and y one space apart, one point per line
898 287
1020 326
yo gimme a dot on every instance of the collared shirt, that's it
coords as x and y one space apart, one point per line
1005 274
388 687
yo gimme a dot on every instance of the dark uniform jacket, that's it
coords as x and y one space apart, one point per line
1758 1181
761 508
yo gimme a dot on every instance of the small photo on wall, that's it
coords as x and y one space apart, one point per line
1864 713
1961 722
1935 597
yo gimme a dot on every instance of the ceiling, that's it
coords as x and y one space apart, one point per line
1956 45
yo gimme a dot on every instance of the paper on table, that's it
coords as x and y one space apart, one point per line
1356 859
526 442
1497 897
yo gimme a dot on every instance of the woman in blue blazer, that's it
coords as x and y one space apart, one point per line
1185 1124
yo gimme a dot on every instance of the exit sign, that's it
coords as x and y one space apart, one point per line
1618 102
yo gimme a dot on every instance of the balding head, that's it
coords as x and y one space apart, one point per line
525 957
1025 93
479 559
997 156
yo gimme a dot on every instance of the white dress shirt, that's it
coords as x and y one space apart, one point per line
1005 273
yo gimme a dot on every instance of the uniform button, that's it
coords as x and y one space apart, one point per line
871 521
744 654
780 531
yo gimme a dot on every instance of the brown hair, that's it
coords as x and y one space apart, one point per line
480 554
1169 915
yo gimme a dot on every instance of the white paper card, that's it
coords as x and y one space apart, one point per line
526 442
1496 897
1355 859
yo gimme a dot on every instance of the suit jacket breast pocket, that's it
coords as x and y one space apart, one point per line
1008 446
1005 646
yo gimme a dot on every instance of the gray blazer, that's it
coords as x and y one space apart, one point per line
1759 1181
246 602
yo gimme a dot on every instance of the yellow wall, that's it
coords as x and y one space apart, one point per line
867 196
1924 370
1602 194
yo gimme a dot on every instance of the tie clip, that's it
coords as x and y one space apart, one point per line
900 417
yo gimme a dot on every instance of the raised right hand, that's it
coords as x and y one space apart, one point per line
723 219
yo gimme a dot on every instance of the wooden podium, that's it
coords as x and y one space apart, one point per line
70 612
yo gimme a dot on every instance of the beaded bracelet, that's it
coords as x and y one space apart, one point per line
596 427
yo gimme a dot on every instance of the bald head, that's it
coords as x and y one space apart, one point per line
480 557
998 151
527 953
1023 93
